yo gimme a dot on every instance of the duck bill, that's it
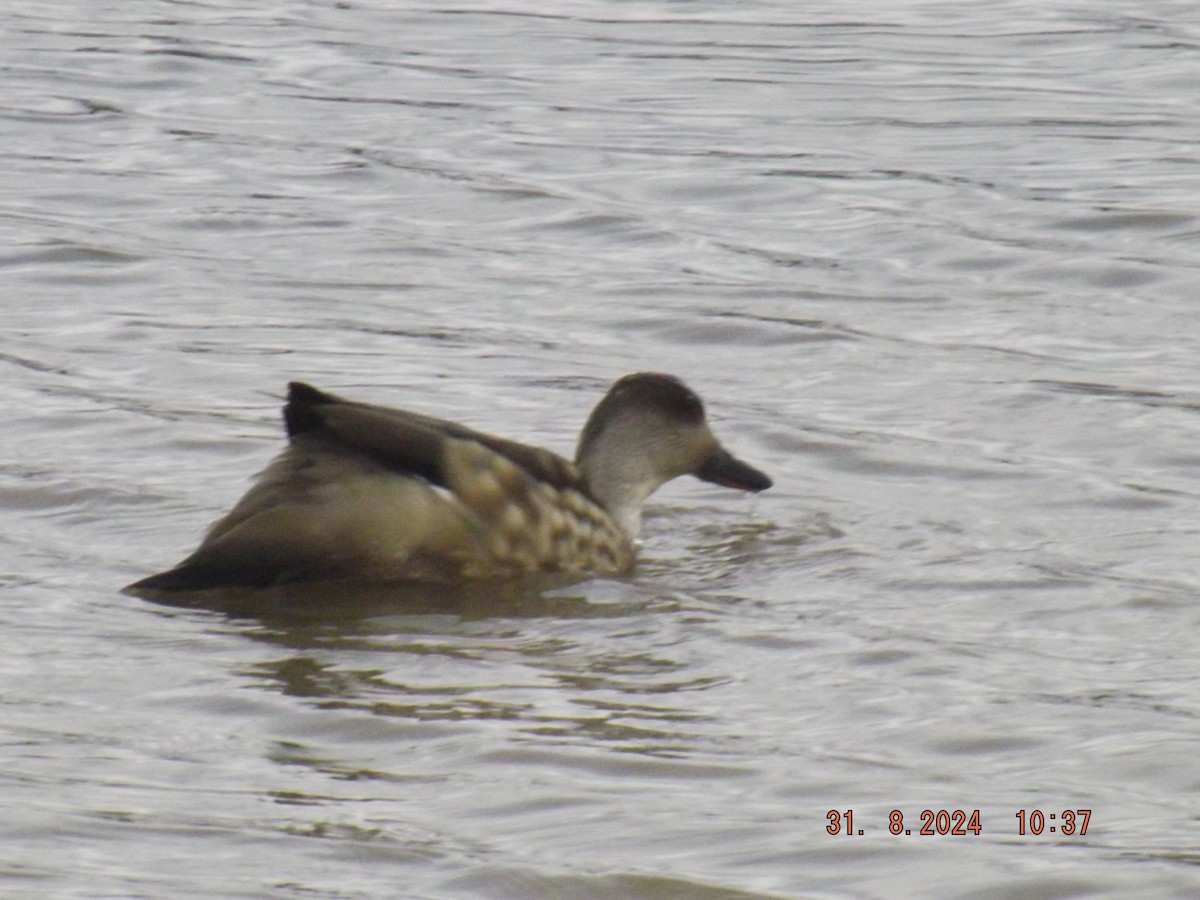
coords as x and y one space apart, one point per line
725 469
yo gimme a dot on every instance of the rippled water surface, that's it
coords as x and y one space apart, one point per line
934 266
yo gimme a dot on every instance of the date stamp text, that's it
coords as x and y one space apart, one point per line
961 822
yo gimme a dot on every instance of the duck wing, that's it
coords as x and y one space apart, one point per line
374 492
407 442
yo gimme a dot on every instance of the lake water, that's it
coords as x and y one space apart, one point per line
934 267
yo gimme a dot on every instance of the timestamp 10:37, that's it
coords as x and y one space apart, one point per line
1068 822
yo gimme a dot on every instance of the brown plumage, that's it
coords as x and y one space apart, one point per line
375 493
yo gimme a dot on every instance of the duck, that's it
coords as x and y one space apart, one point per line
374 493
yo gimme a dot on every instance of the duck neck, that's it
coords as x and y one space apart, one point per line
620 489
624 504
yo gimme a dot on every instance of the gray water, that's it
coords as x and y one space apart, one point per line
934 267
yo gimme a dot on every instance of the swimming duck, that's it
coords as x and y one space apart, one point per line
375 493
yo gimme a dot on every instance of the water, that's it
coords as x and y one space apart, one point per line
933 267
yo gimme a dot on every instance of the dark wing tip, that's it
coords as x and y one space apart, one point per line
301 413
303 392
178 579
199 577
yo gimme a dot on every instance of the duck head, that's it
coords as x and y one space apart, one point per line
649 429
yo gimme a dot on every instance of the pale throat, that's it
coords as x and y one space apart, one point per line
624 499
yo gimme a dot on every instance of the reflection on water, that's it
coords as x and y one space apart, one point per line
350 605
378 649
